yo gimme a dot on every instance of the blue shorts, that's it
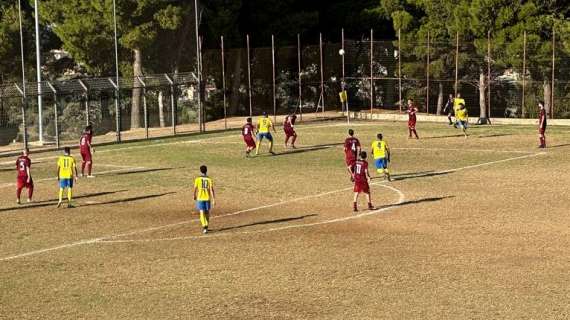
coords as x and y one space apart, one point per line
65 183
381 163
266 135
462 124
203 205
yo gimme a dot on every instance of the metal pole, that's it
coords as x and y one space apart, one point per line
39 74
371 70
249 75
553 65
224 83
488 75
400 69
202 89
456 62
427 73
322 72
273 68
343 86
117 84
299 71
24 99
173 109
87 117
145 108
524 76
56 119
198 66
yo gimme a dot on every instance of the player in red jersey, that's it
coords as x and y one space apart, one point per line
351 150
24 180
86 150
412 110
361 178
289 128
248 137
541 125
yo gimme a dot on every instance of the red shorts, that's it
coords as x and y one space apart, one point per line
412 125
349 161
86 155
250 143
289 132
22 182
361 186
541 130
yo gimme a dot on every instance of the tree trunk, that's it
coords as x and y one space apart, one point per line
440 99
547 96
137 92
161 109
482 97
236 83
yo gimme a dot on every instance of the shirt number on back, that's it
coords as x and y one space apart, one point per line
358 169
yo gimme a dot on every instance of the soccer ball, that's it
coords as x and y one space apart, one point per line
341 52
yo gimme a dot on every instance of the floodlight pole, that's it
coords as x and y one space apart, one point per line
322 72
224 83
343 84
400 69
117 84
427 72
299 79
273 68
456 61
248 75
488 121
523 108
198 67
553 69
39 74
371 70
24 98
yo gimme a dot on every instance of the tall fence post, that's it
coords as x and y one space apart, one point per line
456 62
145 108
273 69
400 69
427 72
173 104
224 83
523 107
371 70
249 75
24 125
202 90
86 97
24 100
117 109
55 114
322 97
553 69
489 76
299 79
343 87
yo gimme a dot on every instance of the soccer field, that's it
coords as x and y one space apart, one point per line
474 228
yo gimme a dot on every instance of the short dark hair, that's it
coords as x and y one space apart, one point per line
363 155
248 119
203 169
350 132
67 150
411 99
541 102
379 136
264 114
89 128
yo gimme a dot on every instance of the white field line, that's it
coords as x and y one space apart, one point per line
121 168
401 198
107 238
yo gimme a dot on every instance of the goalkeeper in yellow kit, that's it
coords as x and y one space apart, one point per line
66 175
204 196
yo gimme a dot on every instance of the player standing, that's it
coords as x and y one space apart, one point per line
412 110
86 150
462 118
247 134
351 151
264 126
204 196
449 108
542 125
289 128
66 174
381 154
24 180
361 178
457 102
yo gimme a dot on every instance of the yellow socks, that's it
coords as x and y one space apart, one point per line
204 219
60 194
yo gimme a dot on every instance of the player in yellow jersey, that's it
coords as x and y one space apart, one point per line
381 154
462 118
264 126
457 101
204 196
66 174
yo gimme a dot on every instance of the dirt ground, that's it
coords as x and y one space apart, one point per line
475 228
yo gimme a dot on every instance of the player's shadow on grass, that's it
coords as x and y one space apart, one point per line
126 200
559 146
7 169
410 202
415 175
53 202
442 137
493 135
267 222
122 173
308 149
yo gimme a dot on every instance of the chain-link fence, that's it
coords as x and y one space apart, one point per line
495 79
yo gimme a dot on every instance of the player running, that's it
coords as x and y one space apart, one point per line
542 125
449 108
381 154
24 180
462 118
204 196
457 102
264 126
289 128
66 174
351 150
86 150
412 110
248 137
361 178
